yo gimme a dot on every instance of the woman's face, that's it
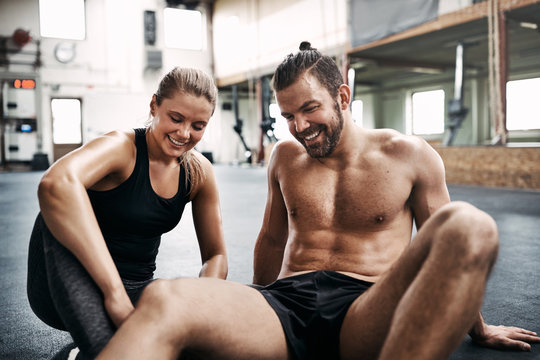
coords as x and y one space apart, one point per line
179 122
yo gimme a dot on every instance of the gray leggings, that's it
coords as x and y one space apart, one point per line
63 295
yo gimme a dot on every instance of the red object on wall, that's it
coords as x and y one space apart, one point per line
21 37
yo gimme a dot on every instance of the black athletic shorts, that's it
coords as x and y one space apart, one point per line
311 308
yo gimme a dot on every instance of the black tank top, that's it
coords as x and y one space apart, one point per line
132 217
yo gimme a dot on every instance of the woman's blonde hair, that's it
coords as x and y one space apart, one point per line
197 83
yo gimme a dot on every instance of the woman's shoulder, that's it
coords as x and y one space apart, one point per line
201 172
122 136
120 140
109 156
203 160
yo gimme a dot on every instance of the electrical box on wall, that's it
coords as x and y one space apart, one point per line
19 109
20 99
19 146
149 27
154 59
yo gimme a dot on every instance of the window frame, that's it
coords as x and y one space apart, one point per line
49 33
410 113
203 31
520 135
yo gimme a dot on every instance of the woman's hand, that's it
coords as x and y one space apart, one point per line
118 306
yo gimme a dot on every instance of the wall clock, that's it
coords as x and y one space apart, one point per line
64 52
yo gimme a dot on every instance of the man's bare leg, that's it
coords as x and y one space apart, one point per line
425 304
211 318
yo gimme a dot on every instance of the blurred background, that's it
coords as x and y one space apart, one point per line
463 74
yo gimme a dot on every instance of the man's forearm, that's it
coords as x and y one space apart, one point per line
266 266
264 275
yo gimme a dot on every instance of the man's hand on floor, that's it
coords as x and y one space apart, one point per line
505 338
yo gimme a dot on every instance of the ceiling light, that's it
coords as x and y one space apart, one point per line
529 25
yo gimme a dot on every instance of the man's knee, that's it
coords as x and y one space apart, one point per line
471 232
160 299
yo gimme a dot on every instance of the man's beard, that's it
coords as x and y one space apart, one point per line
332 134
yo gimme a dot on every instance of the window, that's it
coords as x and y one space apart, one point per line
357 108
184 29
225 30
66 115
62 19
428 112
522 105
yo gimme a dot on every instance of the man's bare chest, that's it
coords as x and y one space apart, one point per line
348 200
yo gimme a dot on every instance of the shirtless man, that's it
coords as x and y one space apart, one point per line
336 235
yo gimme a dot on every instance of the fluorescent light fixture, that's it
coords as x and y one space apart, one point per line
528 25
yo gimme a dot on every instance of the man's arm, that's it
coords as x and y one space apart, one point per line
429 191
272 237
429 194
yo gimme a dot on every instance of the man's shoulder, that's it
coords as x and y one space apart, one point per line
287 156
287 149
393 143
411 151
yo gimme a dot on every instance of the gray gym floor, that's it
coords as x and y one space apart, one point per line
512 297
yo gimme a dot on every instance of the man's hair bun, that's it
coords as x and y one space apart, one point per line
306 45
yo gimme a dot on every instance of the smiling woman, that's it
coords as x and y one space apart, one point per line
181 108
105 206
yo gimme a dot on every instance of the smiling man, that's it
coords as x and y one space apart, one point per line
339 275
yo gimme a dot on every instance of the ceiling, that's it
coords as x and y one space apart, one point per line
432 55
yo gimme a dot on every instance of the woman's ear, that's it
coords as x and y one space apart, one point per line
153 105
344 96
